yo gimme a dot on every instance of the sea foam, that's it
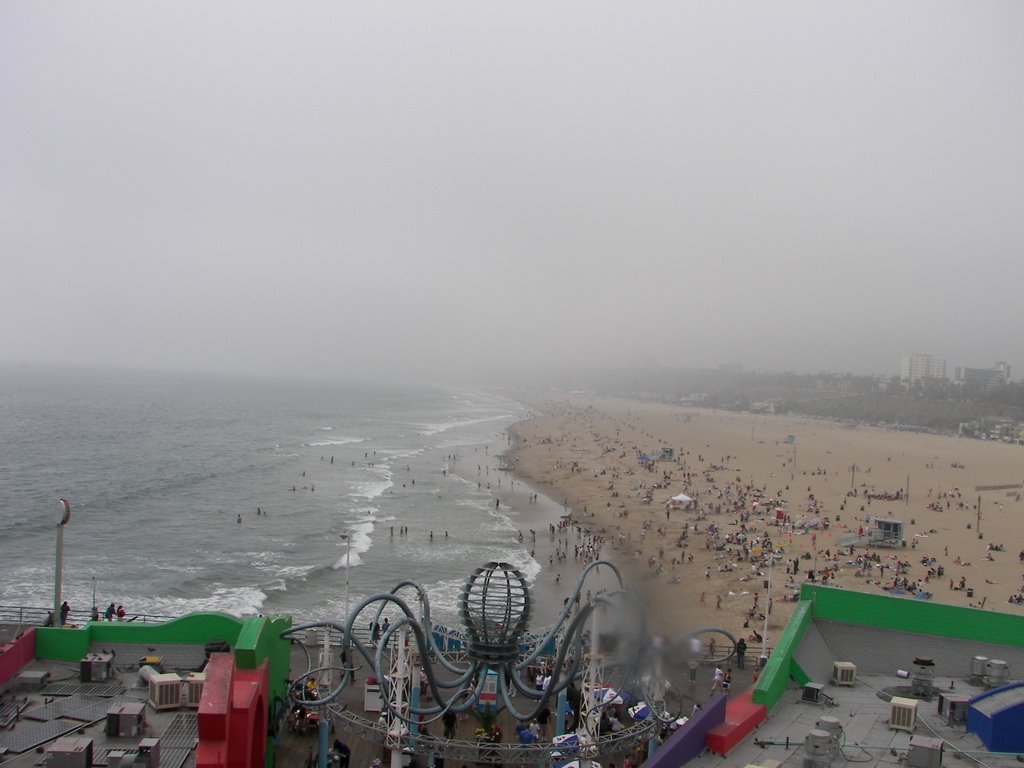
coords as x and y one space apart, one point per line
335 441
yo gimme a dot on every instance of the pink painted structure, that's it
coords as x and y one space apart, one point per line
15 655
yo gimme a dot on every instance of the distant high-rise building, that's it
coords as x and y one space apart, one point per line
917 367
984 379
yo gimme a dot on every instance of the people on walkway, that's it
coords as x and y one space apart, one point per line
719 678
449 719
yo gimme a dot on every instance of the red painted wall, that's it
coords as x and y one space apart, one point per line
232 715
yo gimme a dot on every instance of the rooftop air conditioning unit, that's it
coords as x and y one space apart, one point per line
820 748
125 720
812 692
96 667
149 753
70 752
921 682
957 712
164 691
844 673
194 689
998 672
31 680
902 714
979 667
832 726
953 707
924 752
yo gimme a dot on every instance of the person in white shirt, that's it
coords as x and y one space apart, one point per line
719 677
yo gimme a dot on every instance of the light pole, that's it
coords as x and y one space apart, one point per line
63 518
767 604
347 536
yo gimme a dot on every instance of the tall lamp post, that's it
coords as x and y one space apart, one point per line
63 518
347 536
767 607
325 659
325 652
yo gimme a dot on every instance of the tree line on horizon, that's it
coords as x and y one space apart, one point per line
939 405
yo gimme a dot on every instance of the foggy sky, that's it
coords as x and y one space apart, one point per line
446 188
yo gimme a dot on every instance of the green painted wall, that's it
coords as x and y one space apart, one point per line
908 615
259 639
775 676
71 644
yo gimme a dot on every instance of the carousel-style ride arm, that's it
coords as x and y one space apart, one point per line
434 685
573 641
567 608
426 623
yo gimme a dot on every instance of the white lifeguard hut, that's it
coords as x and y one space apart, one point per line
879 532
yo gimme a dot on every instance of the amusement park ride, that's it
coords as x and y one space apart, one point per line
597 653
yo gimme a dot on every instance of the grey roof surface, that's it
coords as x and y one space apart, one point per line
867 739
68 706
863 709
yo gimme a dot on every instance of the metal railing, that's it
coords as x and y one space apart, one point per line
35 616
497 753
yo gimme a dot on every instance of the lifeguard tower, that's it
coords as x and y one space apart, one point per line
879 532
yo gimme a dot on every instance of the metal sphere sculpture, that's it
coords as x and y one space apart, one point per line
495 609
495 648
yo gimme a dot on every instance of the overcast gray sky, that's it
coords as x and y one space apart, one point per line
442 188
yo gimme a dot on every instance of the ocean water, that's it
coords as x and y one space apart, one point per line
158 469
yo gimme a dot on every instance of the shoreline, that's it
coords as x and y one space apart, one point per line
529 509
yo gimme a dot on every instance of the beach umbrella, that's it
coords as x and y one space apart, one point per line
639 711
566 742
682 498
612 696
608 696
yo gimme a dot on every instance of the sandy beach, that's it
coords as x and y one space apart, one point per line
762 484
